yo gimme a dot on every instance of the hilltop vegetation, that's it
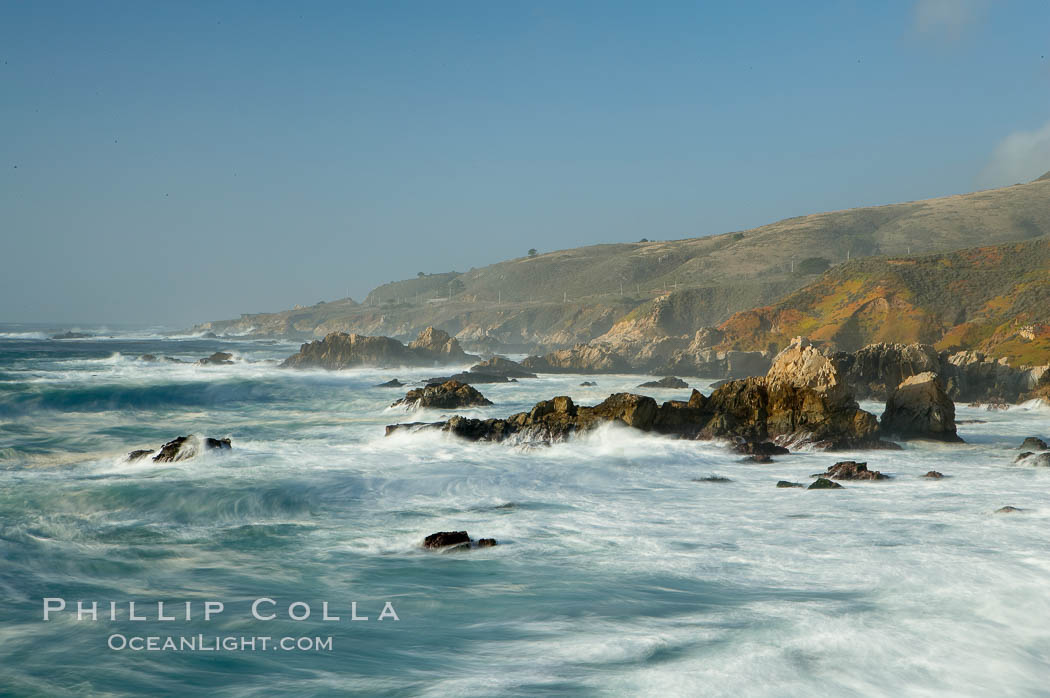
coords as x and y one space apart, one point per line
995 299
575 295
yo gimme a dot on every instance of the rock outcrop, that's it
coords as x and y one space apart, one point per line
822 483
667 382
1033 443
500 366
219 358
392 383
874 372
802 401
182 448
341 350
455 540
920 409
582 358
851 470
445 396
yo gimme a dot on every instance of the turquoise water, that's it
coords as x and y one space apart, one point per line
617 573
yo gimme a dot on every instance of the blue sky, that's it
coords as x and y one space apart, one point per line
175 162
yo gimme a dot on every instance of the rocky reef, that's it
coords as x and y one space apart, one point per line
340 350
801 401
446 396
181 448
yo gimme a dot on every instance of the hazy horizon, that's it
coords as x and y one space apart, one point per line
171 164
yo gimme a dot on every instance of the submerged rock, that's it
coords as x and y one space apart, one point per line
761 448
921 409
469 378
588 384
138 454
824 484
851 470
712 478
392 383
668 382
219 358
786 483
758 458
72 335
934 475
1037 459
1008 510
186 447
449 395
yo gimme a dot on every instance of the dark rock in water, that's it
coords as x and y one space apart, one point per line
824 484
1034 444
393 383
172 359
219 358
452 540
757 458
761 448
1007 510
186 447
442 539
851 470
487 542
139 454
147 357
920 409
209 335
668 382
934 475
221 444
1038 459
785 483
499 366
588 384
72 335
341 350
449 395
469 378
712 478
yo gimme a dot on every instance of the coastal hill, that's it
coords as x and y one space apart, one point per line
995 299
575 295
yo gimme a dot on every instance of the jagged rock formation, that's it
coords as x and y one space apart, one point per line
920 409
851 470
445 396
801 401
182 448
340 350
582 358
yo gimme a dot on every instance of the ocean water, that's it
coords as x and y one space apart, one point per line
620 570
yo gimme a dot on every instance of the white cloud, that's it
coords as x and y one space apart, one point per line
1020 157
948 17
